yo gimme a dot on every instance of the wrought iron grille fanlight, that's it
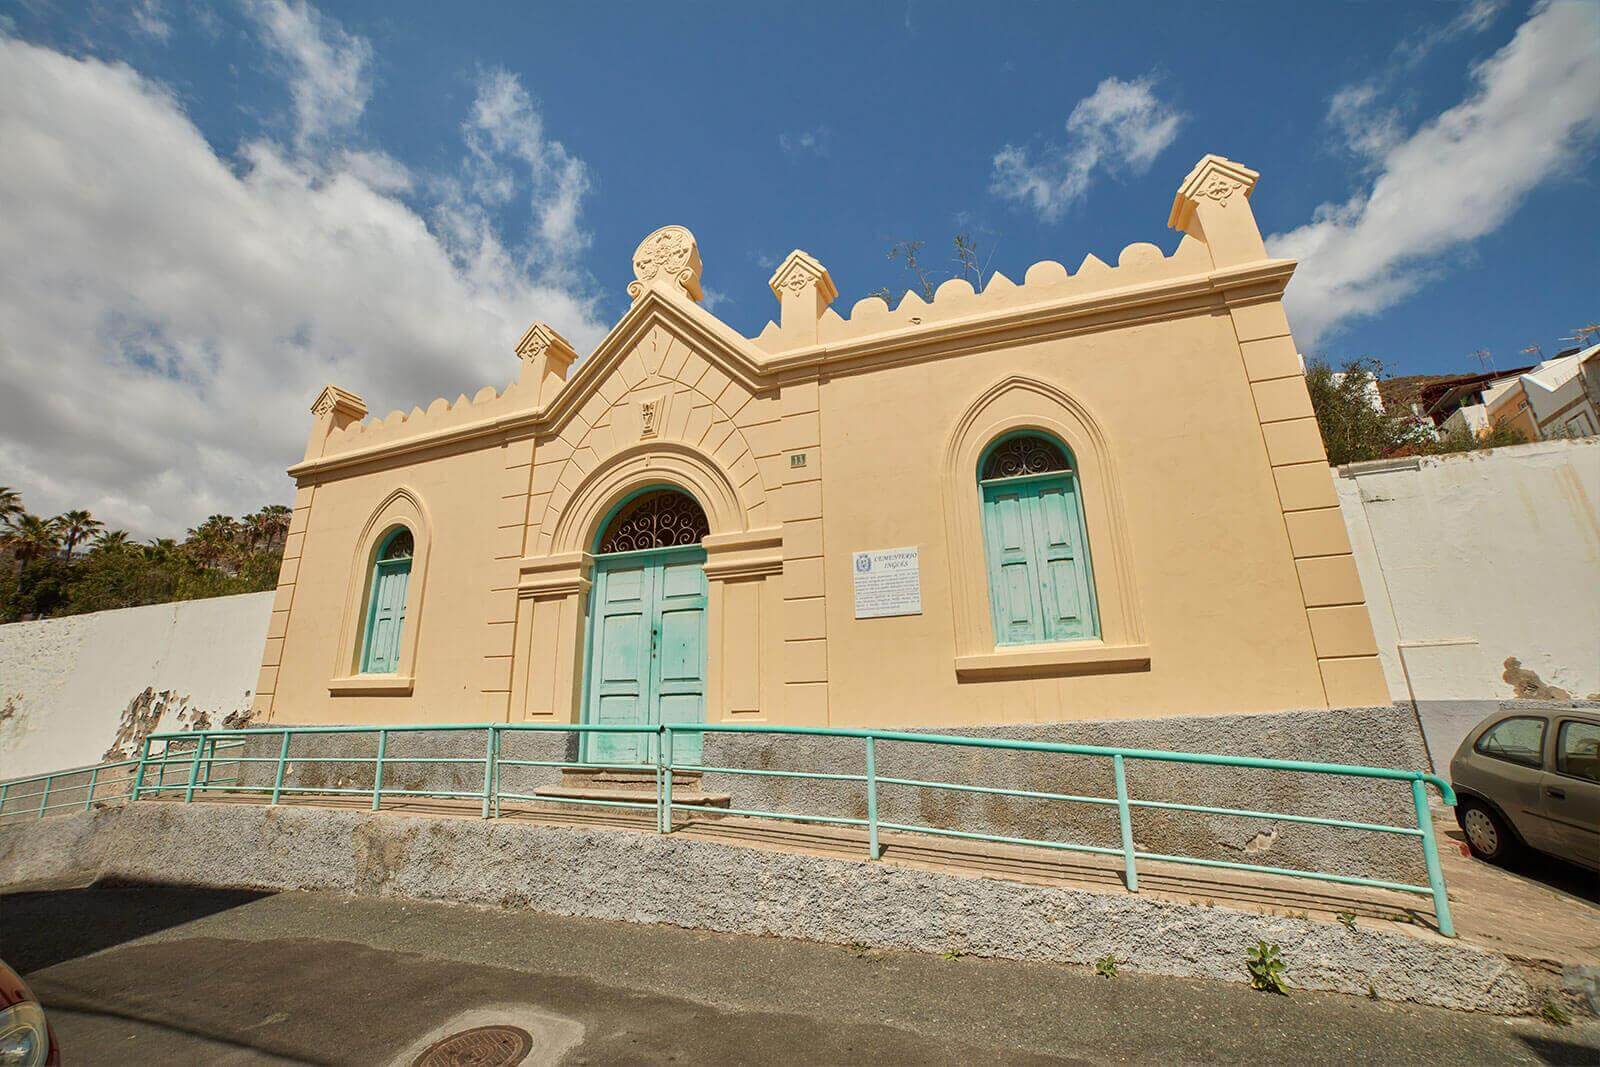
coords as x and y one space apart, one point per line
1025 455
665 518
400 546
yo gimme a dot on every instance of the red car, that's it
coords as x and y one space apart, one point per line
26 1039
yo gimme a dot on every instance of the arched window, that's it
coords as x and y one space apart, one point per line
386 603
661 518
1041 583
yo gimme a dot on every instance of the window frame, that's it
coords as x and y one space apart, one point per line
1555 763
379 569
1067 478
1544 737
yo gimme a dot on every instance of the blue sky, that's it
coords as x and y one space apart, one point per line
245 200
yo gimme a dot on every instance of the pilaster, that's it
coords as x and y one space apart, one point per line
804 618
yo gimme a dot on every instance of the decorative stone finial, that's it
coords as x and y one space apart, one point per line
546 356
542 339
1213 205
667 256
799 270
1214 178
346 404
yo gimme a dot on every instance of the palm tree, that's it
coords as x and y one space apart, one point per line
268 527
77 526
213 540
29 537
113 541
160 549
10 504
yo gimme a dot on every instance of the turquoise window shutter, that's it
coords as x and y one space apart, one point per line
386 612
1041 584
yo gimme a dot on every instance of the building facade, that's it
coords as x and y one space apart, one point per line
1089 494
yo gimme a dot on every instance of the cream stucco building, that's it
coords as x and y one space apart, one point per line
1111 478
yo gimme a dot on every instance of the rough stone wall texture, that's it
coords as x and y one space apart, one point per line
78 690
1381 737
324 771
637 877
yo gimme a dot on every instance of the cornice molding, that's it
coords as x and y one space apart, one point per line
1216 290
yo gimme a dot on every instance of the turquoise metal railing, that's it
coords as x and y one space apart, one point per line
170 764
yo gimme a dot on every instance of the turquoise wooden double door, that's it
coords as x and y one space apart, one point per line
1040 581
647 652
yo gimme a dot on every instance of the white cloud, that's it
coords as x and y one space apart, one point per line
1362 115
816 142
328 77
150 18
1533 112
1121 126
504 131
167 314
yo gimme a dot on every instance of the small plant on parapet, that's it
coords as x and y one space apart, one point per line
1554 1012
1106 966
1268 972
1347 919
953 954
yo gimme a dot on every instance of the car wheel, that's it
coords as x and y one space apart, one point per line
1488 836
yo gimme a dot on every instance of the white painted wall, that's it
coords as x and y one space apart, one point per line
66 685
1470 559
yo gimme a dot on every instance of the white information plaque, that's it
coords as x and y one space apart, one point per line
888 582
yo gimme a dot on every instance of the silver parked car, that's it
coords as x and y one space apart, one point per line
1531 779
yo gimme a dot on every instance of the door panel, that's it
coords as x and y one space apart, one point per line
1039 581
1570 797
648 652
382 655
1013 588
620 662
678 683
1065 578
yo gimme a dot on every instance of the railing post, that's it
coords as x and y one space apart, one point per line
5 787
138 773
666 780
94 776
873 852
44 797
283 761
166 754
488 770
1129 872
661 755
1430 854
377 768
194 769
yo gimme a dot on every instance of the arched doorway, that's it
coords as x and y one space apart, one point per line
646 658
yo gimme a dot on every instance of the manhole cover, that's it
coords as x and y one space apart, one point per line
482 1046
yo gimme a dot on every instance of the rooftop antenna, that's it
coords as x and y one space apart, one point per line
1535 351
1485 361
1582 332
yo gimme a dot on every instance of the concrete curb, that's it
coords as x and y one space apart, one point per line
647 878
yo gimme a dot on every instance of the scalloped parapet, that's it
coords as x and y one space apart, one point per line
1139 264
398 426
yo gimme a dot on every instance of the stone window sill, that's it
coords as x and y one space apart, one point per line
1036 661
394 685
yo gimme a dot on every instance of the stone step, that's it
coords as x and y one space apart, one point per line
681 794
642 779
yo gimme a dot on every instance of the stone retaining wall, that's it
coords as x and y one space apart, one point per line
1381 737
643 877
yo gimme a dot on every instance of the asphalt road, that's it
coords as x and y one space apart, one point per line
173 976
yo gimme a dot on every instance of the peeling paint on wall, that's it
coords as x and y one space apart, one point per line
1526 684
92 687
